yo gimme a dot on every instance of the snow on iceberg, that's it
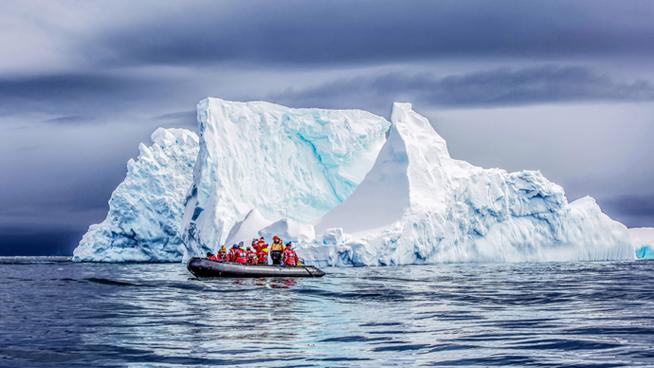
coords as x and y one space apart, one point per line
642 239
443 210
145 210
292 165
289 230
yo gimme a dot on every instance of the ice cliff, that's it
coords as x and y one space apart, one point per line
289 165
348 186
145 210
418 205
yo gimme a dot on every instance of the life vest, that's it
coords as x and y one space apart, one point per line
290 257
241 256
262 255
212 258
252 257
277 247
222 256
231 256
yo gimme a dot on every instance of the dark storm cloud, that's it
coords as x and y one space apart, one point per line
37 242
71 96
80 86
70 119
328 32
62 85
51 221
74 195
498 87
633 205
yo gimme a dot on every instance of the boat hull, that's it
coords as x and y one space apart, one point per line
202 267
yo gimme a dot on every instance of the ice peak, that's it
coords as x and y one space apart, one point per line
431 170
145 210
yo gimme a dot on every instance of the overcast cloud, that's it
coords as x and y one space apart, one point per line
565 87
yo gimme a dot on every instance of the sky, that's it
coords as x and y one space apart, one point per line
565 87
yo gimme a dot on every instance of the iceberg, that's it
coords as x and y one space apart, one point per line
350 187
289 230
145 210
290 165
417 205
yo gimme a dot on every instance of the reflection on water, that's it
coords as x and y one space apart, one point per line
591 314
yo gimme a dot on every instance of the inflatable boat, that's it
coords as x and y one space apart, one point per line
202 267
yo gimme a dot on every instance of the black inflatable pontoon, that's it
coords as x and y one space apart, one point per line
202 267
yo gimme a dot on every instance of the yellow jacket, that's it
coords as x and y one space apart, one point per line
277 246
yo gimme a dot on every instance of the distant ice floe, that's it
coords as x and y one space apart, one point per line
642 239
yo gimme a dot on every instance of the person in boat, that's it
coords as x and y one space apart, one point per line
255 245
211 257
252 256
276 250
222 254
262 252
241 254
231 256
289 256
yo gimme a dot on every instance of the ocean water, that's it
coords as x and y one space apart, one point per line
59 314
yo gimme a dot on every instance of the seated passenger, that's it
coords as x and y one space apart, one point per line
262 253
231 256
255 245
289 257
222 254
211 257
241 255
252 256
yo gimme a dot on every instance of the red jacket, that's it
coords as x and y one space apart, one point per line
222 257
252 257
241 256
289 257
212 258
262 255
231 256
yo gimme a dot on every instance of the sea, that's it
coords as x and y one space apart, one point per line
55 313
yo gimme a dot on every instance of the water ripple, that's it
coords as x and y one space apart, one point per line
58 314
